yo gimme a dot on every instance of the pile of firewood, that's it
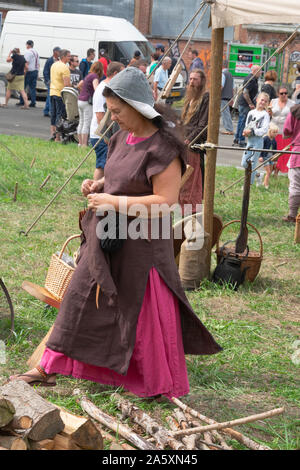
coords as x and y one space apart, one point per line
187 428
29 422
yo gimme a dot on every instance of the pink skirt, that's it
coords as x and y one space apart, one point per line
157 365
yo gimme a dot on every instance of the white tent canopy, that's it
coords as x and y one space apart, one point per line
226 13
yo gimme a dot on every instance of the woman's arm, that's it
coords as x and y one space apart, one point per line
95 83
166 187
9 58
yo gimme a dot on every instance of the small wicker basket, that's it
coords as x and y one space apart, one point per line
59 273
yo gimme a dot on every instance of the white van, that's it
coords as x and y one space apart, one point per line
74 32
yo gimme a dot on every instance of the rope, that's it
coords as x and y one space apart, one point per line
210 146
272 158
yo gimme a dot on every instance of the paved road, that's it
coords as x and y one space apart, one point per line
32 123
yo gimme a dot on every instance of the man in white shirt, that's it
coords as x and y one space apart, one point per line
99 110
161 76
33 62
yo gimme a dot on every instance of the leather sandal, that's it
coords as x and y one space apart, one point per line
42 382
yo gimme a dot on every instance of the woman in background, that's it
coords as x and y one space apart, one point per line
278 110
18 69
85 102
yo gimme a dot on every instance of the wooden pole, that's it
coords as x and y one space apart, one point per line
217 40
227 424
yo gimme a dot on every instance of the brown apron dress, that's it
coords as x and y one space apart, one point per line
105 336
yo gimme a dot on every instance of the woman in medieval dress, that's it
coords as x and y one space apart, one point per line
125 320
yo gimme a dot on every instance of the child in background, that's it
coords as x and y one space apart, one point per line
269 144
257 124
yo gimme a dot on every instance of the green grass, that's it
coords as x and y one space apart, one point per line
256 326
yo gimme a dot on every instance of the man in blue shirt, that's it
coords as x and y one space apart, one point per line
161 76
86 64
197 63
46 75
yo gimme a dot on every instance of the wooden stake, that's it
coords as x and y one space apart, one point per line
45 181
32 162
15 192
236 422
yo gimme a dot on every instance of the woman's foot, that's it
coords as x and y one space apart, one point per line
36 376
289 219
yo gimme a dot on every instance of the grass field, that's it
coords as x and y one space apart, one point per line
257 326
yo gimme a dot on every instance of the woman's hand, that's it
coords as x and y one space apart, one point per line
103 199
91 186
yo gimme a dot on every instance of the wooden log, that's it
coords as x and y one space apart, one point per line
110 422
231 432
13 443
82 431
27 402
64 443
236 422
45 444
21 422
161 434
7 411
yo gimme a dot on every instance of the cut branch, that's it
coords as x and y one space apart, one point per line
236 422
161 434
117 427
246 441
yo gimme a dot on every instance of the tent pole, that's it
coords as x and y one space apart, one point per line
217 41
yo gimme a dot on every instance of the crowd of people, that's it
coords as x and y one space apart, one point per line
261 113
265 120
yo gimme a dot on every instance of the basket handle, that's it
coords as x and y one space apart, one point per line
248 223
65 244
